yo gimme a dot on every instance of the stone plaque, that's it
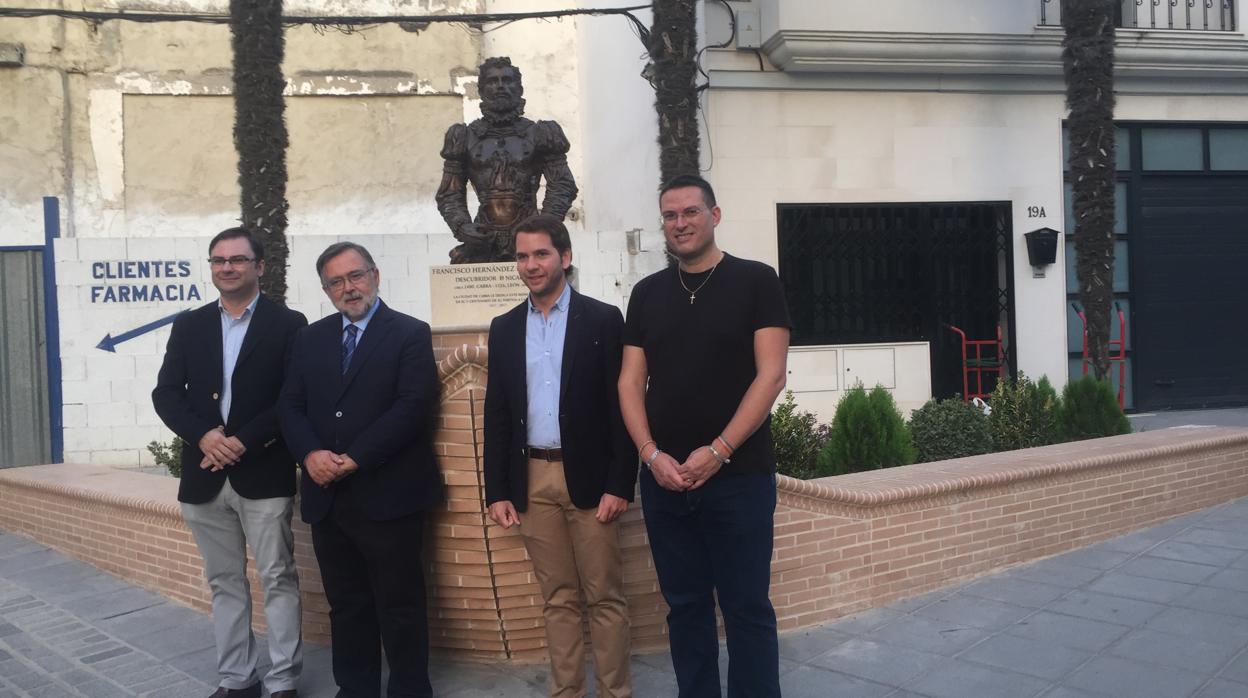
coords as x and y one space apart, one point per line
470 295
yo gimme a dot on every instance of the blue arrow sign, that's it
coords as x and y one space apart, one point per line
109 343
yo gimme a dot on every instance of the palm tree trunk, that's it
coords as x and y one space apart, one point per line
260 131
1088 61
673 53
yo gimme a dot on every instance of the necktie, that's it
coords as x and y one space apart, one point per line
348 346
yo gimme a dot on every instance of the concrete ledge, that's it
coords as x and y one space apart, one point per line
877 488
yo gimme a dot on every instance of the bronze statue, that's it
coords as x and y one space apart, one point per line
505 156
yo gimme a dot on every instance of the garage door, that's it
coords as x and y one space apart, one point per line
1190 291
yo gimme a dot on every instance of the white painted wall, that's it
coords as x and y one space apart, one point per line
620 136
956 16
775 147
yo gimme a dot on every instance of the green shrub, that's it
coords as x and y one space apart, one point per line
1024 414
867 433
949 429
1090 410
168 455
797 437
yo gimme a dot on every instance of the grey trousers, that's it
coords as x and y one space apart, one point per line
223 528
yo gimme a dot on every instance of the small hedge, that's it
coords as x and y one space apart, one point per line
868 433
1089 410
168 455
797 437
949 429
1024 414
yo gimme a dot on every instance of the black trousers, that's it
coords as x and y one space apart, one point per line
375 584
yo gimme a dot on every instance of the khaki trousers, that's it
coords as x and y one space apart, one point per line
572 553
223 528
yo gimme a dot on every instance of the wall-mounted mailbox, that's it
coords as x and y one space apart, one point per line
1041 247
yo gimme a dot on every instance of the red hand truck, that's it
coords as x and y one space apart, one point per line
979 356
1117 349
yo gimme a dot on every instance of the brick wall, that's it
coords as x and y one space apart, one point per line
863 540
842 544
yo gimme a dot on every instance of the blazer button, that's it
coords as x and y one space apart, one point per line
338 414
216 396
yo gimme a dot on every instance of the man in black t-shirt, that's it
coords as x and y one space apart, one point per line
705 345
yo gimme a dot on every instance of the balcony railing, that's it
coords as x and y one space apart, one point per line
1201 15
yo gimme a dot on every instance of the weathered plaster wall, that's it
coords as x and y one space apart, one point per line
354 162
32 149
131 124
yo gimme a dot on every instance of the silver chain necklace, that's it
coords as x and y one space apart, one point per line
693 292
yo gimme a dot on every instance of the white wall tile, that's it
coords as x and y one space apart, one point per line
110 414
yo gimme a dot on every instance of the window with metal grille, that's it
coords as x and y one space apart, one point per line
859 273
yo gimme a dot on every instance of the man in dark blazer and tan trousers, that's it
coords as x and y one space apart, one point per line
218 389
356 410
558 460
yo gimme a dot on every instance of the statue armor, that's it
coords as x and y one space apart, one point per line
505 163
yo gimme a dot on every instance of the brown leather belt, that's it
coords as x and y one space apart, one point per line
547 454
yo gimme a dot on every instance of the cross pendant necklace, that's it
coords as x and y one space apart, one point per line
693 292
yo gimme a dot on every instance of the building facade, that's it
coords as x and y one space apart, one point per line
887 159
890 160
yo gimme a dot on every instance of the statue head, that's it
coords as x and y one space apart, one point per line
501 89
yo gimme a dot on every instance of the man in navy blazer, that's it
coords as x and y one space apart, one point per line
217 389
558 460
356 411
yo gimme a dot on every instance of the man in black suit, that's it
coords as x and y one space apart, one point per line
558 460
356 411
218 389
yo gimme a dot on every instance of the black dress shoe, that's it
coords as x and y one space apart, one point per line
252 691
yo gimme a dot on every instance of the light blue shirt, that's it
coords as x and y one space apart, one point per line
543 353
233 330
362 323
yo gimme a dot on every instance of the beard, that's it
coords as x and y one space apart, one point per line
500 112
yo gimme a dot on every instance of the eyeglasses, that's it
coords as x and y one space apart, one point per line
235 261
338 283
690 214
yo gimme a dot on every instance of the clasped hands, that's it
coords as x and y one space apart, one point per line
219 450
325 466
689 475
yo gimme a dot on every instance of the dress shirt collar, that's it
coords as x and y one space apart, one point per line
561 304
362 323
250 309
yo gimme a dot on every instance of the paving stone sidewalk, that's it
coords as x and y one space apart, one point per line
1160 612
